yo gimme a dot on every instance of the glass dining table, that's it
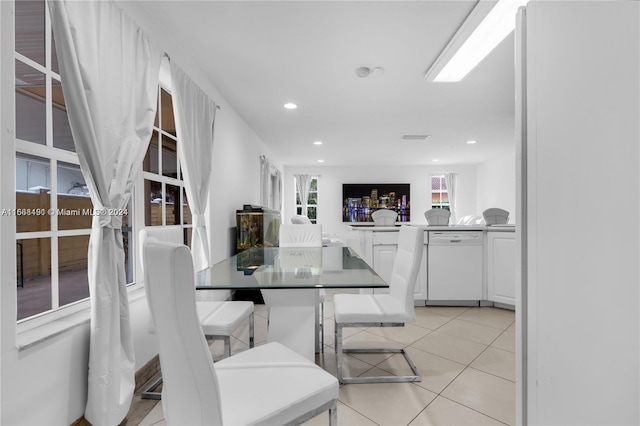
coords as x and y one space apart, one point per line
290 279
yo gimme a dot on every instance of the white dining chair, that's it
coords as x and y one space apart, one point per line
383 310
219 320
306 235
384 217
437 217
299 219
300 235
266 385
495 216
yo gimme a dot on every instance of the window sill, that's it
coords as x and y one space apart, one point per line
36 335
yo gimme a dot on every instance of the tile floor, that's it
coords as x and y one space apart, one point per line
466 357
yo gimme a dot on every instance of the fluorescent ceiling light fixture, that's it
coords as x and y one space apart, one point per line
472 142
317 143
290 105
415 137
320 161
435 160
474 41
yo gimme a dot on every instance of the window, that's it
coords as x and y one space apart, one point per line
312 201
53 208
53 219
165 199
439 193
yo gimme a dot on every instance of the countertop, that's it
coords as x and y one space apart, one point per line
458 228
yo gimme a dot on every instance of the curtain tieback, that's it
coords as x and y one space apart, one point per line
198 220
104 218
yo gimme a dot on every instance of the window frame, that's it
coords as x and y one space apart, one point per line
296 195
159 177
442 204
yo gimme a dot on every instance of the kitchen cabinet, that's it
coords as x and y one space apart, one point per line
378 249
501 267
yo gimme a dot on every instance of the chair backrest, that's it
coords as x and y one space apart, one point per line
495 216
437 216
190 393
300 220
384 217
406 266
300 235
161 233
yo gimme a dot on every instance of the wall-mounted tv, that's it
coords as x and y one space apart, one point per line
362 199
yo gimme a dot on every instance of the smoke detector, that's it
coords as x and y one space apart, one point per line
363 72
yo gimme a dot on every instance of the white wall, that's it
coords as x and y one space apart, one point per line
496 184
53 373
331 180
583 275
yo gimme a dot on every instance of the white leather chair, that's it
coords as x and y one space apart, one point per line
267 385
383 310
384 217
306 235
304 220
300 220
495 216
300 235
219 320
439 217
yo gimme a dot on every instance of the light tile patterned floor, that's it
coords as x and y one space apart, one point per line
466 357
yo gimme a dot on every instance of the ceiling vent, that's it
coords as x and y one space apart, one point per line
415 137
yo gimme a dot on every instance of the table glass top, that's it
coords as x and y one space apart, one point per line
276 268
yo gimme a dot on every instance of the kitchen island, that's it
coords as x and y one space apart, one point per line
462 265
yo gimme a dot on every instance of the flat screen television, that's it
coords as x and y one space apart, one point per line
362 199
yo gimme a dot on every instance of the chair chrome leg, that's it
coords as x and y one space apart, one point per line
150 392
416 377
227 346
322 327
333 415
251 330
338 346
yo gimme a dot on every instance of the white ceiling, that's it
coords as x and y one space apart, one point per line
261 54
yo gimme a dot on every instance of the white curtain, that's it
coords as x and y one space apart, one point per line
303 185
195 114
265 181
109 72
450 180
277 197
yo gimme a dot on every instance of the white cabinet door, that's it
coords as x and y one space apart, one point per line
420 292
383 257
501 267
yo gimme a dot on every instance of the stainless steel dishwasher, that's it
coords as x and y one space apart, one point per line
455 266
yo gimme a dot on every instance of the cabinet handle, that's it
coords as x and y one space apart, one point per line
455 241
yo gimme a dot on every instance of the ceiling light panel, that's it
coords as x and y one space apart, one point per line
415 137
487 25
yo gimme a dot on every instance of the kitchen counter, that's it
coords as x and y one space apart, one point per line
488 261
395 228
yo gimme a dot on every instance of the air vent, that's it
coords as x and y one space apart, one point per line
415 137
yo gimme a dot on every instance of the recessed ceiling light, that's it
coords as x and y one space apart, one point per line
317 143
435 160
290 105
472 142
320 161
